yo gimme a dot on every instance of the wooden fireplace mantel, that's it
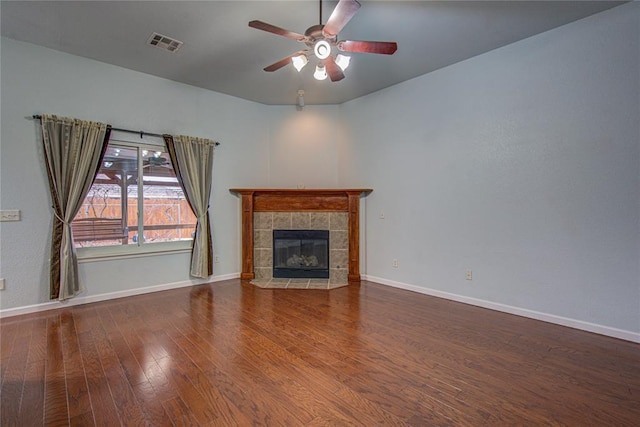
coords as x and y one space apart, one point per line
301 200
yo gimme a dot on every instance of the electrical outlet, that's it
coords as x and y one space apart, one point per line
382 215
1 284
468 275
216 258
394 263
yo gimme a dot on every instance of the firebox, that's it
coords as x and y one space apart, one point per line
301 254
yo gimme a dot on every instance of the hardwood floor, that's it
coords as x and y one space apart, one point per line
230 353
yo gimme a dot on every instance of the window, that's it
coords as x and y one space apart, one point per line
135 199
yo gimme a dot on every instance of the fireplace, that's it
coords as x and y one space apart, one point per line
301 254
267 209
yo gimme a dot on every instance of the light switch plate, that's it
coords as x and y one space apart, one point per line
10 215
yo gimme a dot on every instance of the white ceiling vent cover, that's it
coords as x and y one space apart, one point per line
164 42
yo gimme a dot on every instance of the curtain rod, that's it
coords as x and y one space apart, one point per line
137 132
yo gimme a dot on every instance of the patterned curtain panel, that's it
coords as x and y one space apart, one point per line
192 160
73 152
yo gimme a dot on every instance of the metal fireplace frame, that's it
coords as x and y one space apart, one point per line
309 272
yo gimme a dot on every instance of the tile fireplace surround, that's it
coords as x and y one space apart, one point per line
266 209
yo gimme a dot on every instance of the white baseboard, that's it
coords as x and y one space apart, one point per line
545 317
111 295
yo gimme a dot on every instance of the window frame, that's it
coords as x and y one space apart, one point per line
139 248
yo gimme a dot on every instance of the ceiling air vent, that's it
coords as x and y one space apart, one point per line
164 42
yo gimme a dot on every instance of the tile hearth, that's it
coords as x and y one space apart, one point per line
296 284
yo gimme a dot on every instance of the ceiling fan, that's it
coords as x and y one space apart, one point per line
321 39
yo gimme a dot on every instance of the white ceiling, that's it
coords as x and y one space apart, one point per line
223 54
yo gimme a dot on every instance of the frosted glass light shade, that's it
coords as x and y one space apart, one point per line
299 61
322 49
320 73
343 61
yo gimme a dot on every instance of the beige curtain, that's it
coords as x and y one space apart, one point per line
73 152
192 160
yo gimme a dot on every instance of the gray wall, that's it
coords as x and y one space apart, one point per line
39 80
258 143
522 164
310 138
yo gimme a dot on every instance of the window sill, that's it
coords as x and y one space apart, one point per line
109 253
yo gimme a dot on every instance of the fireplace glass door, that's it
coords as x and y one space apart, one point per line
301 254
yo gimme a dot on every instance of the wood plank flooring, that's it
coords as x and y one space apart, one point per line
231 354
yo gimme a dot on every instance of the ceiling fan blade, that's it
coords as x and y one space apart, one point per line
384 48
284 61
344 11
259 25
334 72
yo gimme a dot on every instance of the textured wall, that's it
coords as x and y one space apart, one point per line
522 164
302 147
38 80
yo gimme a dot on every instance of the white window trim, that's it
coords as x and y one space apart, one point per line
106 253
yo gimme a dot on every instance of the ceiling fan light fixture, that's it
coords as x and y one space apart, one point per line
320 73
322 49
299 61
343 61
320 41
